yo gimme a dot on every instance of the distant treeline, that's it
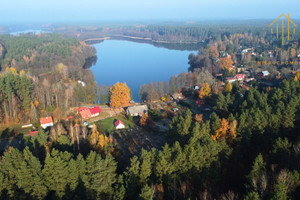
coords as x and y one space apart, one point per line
156 90
40 73
40 53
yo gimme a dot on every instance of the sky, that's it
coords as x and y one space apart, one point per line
44 11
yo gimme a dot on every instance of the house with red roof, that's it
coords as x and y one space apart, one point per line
70 118
119 124
46 122
240 77
95 111
231 79
81 109
32 133
85 114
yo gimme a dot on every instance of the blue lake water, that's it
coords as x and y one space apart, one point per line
35 31
136 64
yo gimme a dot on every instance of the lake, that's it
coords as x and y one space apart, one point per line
34 31
136 64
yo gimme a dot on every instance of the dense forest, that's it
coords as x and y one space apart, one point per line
38 54
40 73
248 149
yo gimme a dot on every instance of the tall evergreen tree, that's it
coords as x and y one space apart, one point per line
30 176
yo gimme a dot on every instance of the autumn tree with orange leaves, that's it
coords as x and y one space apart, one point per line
297 77
146 120
205 91
213 51
119 95
226 130
226 63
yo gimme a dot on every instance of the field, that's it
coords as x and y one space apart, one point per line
11 130
108 124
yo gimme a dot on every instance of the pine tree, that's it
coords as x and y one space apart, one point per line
280 191
55 172
147 193
146 166
30 176
164 166
132 178
214 122
119 189
252 196
41 137
100 176
9 169
74 173
221 102
257 177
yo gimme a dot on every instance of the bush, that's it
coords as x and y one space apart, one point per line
155 114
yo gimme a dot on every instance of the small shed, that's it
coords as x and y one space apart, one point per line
32 133
119 124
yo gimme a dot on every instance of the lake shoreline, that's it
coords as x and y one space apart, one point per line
137 64
172 45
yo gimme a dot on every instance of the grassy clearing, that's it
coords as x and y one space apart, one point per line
12 130
108 123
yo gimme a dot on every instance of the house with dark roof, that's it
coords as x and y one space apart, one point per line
137 110
263 73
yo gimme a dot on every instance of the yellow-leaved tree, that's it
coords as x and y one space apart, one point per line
98 140
94 136
12 70
102 141
22 72
297 77
119 95
228 87
226 63
63 69
205 91
226 130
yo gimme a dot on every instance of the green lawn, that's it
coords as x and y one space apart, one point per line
11 130
108 123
